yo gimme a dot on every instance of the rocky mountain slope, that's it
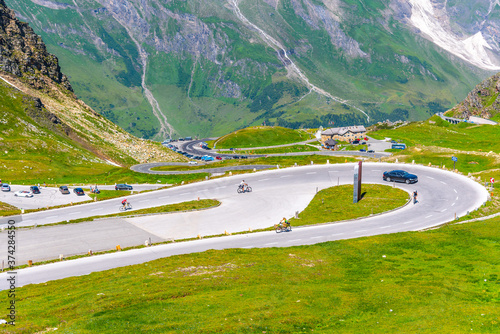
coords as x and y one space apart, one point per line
482 101
40 115
207 67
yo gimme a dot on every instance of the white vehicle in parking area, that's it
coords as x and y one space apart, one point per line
23 193
193 162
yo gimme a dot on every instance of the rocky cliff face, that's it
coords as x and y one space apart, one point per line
23 53
482 101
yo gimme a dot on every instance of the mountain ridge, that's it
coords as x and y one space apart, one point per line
39 107
209 72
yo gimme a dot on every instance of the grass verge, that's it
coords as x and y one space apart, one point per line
336 204
445 278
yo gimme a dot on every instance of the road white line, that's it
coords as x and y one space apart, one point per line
429 216
456 199
282 177
430 177
27 220
317 237
360 231
386 226
262 180
294 240
408 222
455 190
183 194
444 210
98 209
144 200
333 171
311 173
50 217
443 182
163 197
271 243
453 204
74 213
336 234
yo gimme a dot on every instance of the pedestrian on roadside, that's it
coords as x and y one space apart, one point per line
415 194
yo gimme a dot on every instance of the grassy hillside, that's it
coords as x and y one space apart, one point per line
260 136
64 142
436 132
211 74
419 281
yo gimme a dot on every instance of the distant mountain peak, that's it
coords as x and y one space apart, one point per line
432 18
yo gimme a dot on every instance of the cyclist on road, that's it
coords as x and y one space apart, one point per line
243 185
284 222
124 203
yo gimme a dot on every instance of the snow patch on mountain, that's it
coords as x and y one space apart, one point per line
472 49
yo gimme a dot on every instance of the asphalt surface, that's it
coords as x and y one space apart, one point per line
146 168
193 147
277 193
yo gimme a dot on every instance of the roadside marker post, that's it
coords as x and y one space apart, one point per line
454 159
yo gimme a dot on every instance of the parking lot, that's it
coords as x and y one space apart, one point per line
47 197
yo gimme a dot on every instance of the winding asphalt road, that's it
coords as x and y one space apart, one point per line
277 193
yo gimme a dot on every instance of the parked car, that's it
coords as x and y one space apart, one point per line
123 186
193 162
218 157
362 150
5 187
400 176
371 151
207 158
355 142
79 191
64 190
23 193
34 189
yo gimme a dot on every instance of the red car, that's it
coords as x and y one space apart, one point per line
218 158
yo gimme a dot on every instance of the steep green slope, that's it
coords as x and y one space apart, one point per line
211 74
31 149
261 136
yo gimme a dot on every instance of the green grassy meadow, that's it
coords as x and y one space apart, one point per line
436 132
261 136
336 204
444 279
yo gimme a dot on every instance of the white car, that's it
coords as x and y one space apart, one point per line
5 187
23 193
193 162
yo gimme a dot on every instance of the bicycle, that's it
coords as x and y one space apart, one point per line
125 207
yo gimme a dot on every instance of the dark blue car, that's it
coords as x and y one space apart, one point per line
400 176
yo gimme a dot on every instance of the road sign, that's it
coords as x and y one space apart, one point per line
454 158
492 180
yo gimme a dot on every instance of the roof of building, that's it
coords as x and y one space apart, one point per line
342 131
330 142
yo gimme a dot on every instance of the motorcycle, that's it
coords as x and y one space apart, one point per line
243 189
